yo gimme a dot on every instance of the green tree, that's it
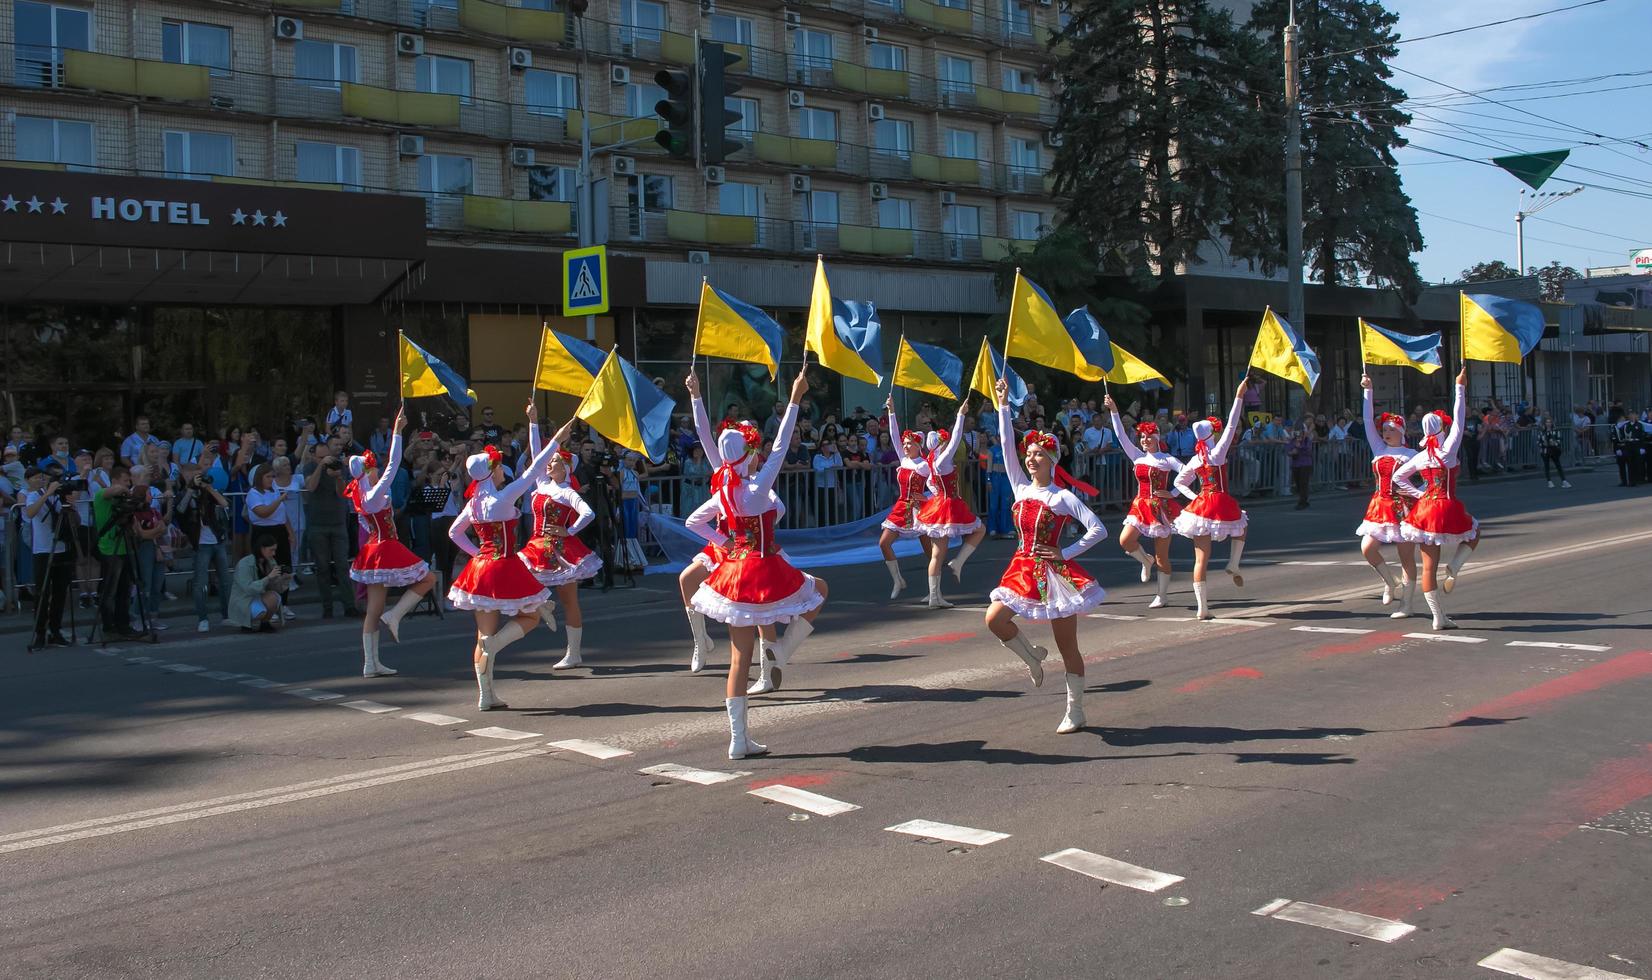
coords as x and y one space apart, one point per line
1358 222
1553 277
1489 272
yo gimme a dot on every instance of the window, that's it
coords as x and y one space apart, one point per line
323 64
1020 80
817 124
440 173
42 32
962 220
751 114
894 212
328 163
954 4
888 56
551 184
1024 155
731 29
957 74
961 143
1026 225
640 99
549 93
813 49
438 73
55 141
656 192
641 20
893 136
741 199
1017 18
823 207
194 155
188 43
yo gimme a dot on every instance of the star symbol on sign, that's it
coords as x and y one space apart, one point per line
238 217
9 202
59 206
258 218
279 219
34 204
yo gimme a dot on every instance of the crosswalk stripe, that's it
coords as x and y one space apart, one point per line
433 718
312 694
1116 616
1550 645
182 668
1331 629
595 750
1534 967
222 675
1337 920
509 734
143 660
689 774
1445 638
1314 564
1110 870
802 799
371 707
947 831
262 683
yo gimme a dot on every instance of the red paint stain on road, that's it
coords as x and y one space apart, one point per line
1362 644
1200 683
1614 671
937 638
807 781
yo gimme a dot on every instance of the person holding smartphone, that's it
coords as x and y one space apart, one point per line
267 513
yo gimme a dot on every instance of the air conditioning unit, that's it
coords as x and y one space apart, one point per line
1052 138
624 166
874 112
794 20
870 33
521 156
715 174
880 190
699 258
794 98
408 145
289 29
948 198
409 44
800 183
619 75
1043 3
521 58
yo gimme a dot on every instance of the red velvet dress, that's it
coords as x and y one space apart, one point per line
1152 515
495 579
384 560
946 515
556 560
754 584
903 516
1438 517
1214 512
1386 511
1039 588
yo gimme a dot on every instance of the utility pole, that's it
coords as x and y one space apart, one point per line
584 204
1294 301
1539 201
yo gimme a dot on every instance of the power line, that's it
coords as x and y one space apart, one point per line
1591 231
1460 30
1488 163
1506 231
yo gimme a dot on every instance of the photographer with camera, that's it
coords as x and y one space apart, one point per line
260 582
599 485
201 513
326 529
113 510
49 507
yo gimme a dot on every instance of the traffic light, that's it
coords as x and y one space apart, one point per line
677 111
715 117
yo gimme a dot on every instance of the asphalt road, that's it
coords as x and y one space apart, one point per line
1420 804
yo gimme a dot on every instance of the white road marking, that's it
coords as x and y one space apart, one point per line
1331 629
107 653
1337 920
1549 645
688 774
222 675
802 799
1236 621
1314 564
509 734
595 750
1534 967
161 816
1107 869
262 683
1116 616
1445 637
433 718
182 668
1175 619
312 694
947 831
371 707
143 660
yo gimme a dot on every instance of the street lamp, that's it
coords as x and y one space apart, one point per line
1539 202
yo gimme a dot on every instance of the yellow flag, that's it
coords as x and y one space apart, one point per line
821 335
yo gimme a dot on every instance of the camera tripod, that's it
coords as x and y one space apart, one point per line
129 562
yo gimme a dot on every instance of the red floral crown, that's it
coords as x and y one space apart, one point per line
369 460
1215 424
565 455
1387 419
495 457
1445 420
1037 438
1147 428
747 431
912 435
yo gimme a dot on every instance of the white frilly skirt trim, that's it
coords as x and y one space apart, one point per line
509 607
1381 533
1153 530
588 567
704 561
713 605
395 578
1191 525
905 532
1419 536
1063 601
949 531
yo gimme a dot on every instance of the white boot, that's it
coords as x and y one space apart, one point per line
936 600
576 636
1164 587
1408 598
1390 584
768 679
702 642
796 632
1436 605
957 564
547 615
1237 548
1146 564
508 634
1074 719
392 617
1448 581
896 581
1204 607
1030 655
370 666
485 701
739 745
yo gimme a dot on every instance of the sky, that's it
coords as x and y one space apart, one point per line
1592 228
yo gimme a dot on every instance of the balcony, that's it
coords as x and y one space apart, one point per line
861 240
399 108
522 217
713 229
131 76
513 23
795 151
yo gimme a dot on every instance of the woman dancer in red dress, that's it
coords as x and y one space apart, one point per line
1385 514
553 553
495 582
1439 520
1154 509
1214 514
1042 582
753 585
912 478
946 515
383 563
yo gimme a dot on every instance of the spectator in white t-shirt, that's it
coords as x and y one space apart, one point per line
267 513
131 448
340 413
46 511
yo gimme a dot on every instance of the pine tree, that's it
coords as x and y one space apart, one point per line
1358 221
1489 272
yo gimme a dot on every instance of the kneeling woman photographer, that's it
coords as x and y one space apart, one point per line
260 582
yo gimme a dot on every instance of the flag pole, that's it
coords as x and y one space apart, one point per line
539 361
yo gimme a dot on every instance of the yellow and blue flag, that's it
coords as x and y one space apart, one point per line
989 367
1379 345
927 368
846 336
566 364
1130 369
1281 350
424 374
732 328
623 404
1037 333
1499 329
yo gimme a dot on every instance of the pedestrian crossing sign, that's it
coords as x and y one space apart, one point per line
585 281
